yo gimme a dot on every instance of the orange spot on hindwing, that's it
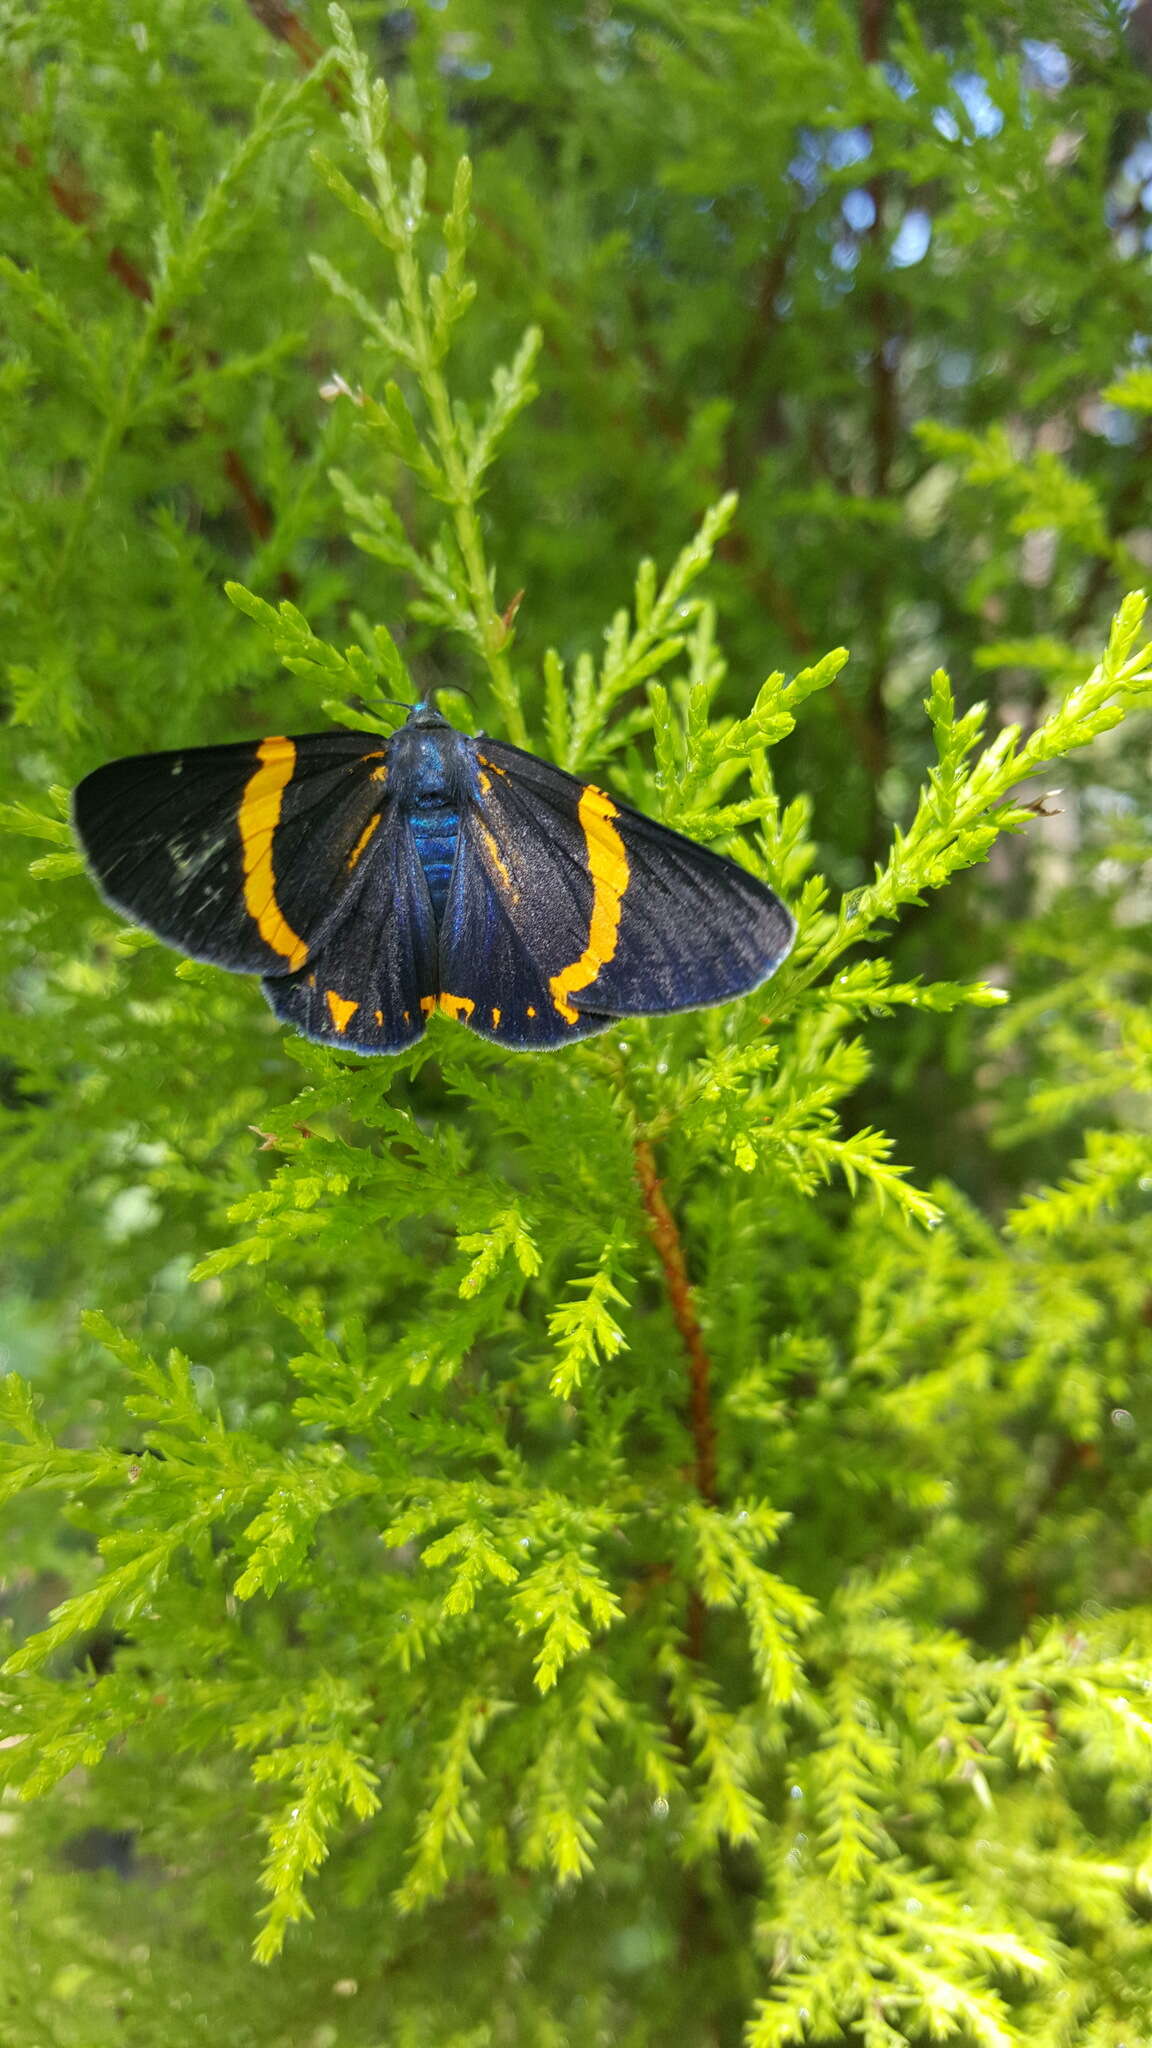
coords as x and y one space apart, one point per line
257 821
460 1007
340 1009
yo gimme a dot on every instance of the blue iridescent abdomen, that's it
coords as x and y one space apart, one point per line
436 829
427 776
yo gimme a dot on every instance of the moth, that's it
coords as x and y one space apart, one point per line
370 881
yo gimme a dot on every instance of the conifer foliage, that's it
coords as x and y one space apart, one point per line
644 1543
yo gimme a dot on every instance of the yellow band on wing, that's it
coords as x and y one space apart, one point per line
258 818
608 867
362 842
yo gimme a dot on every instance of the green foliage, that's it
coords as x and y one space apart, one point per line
660 1525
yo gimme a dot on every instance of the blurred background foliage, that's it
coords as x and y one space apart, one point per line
884 272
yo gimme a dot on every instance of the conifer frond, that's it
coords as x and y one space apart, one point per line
548 1603
323 1778
446 1822
586 1331
660 1527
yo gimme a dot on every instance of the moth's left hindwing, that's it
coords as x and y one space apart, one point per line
370 986
244 855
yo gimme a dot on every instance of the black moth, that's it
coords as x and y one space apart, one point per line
371 881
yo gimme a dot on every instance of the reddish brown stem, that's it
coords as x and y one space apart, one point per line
256 513
287 27
280 21
79 204
129 274
884 428
72 198
666 1237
